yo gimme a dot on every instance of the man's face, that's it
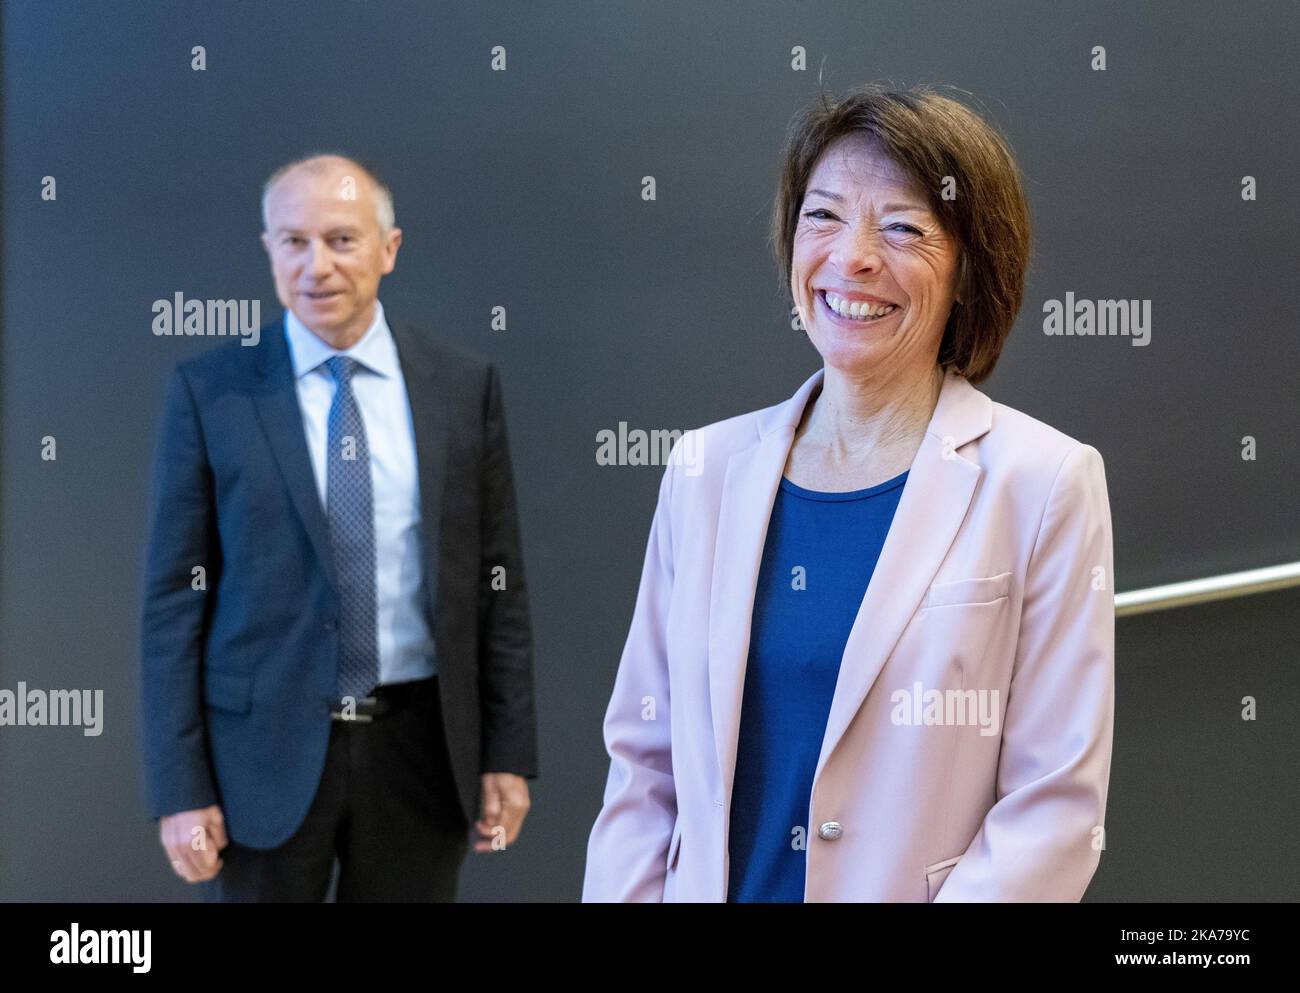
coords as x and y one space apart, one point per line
327 251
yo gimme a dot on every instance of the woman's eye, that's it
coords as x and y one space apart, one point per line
821 214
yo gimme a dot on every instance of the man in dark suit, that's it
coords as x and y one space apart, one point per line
336 655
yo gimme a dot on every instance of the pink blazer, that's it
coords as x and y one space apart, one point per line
967 751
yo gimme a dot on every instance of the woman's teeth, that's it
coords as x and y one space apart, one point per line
855 311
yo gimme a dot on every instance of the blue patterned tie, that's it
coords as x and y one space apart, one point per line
350 508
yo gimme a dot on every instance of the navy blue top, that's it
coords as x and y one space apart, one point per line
820 552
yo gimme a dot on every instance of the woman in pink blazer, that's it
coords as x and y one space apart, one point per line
872 653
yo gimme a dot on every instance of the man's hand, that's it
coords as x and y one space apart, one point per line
192 839
505 805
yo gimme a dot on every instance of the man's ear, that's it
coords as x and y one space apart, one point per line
391 244
266 242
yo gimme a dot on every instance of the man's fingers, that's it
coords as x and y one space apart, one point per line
193 840
193 866
207 842
504 810
217 829
206 858
182 861
508 826
515 823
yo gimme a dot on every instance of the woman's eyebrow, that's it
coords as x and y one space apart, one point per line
887 207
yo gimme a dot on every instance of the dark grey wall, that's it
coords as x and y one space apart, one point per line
521 188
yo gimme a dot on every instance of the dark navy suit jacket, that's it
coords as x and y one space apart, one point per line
237 678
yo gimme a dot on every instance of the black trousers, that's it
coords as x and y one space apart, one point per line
386 808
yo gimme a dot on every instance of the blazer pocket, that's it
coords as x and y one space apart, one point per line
229 691
936 874
959 591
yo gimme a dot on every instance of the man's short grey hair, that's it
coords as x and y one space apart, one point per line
383 196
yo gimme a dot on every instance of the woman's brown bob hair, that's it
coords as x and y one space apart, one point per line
930 137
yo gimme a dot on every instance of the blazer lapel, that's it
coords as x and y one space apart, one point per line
934 502
427 394
939 488
748 494
277 407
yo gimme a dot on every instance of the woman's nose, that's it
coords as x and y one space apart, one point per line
856 250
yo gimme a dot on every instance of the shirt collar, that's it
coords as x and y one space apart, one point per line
375 351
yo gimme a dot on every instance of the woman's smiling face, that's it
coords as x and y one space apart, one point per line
865 240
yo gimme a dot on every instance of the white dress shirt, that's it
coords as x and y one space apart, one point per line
406 648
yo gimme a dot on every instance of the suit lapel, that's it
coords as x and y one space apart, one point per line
281 416
276 401
427 393
938 492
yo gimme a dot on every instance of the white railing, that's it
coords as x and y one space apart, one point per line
1234 584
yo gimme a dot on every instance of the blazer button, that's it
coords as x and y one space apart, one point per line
330 625
830 830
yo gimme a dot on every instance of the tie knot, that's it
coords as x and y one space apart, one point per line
341 368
